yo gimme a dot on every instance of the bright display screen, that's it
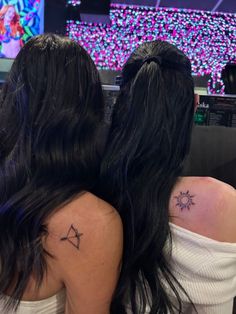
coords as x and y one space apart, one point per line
208 39
19 21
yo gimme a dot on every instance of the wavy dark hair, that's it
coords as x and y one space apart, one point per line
52 113
147 145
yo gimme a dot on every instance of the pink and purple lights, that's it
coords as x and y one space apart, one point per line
209 39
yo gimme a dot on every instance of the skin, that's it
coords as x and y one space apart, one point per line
88 273
11 49
213 213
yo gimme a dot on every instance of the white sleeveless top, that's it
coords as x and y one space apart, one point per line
52 305
206 269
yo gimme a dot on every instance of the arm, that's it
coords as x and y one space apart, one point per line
88 255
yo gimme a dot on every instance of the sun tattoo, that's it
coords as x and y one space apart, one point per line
184 200
73 236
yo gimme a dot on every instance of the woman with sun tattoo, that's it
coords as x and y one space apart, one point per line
179 232
60 245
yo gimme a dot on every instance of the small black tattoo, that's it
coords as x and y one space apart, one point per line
184 200
73 236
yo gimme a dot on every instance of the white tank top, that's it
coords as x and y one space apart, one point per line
206 269
52 305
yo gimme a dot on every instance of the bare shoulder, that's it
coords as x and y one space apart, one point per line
206 206
86 209
86 239
87 215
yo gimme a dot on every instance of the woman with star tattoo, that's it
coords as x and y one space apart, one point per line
179 232
60 245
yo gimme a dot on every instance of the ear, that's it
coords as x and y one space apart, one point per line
196 101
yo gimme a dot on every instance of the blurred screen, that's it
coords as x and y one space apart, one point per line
212 110
19 21
216 110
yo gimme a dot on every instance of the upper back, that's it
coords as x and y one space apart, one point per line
84 243
205 206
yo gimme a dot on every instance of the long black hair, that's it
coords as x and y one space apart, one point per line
51 117
148 141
